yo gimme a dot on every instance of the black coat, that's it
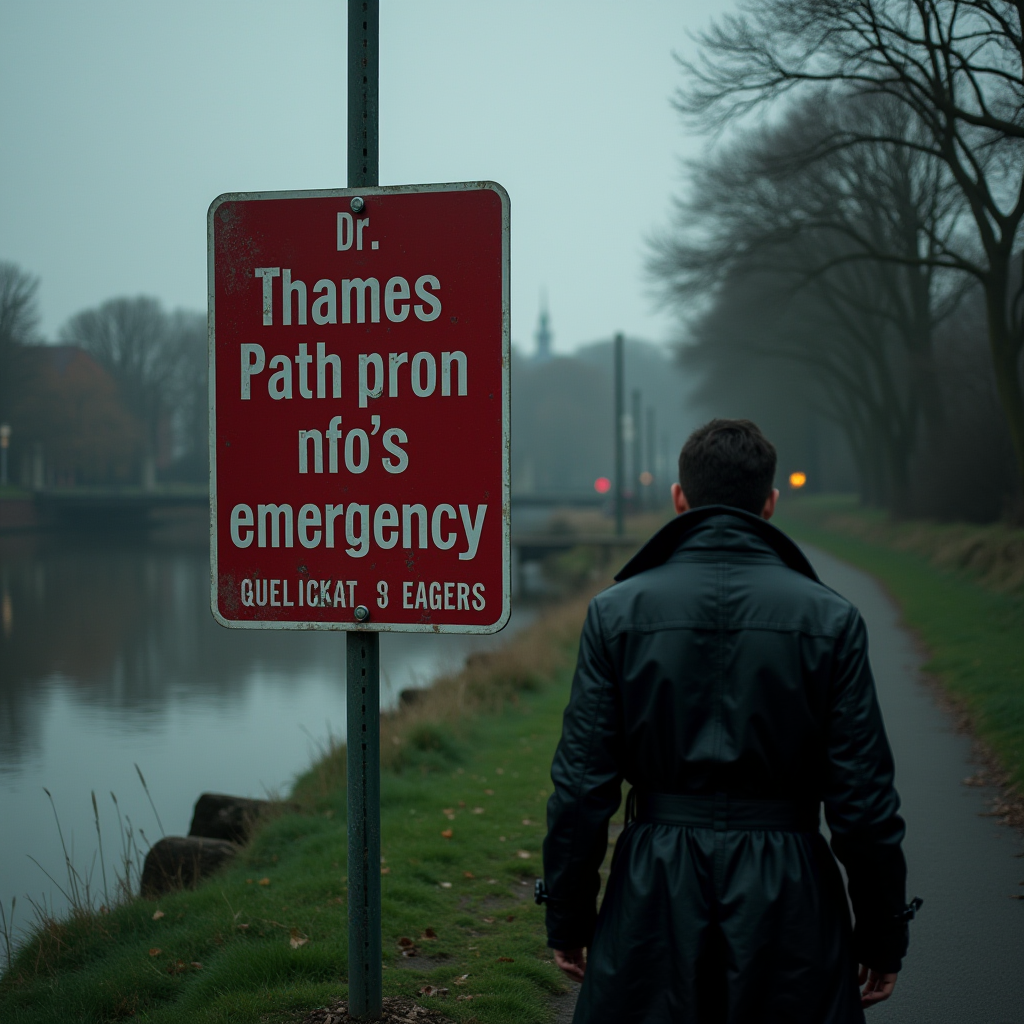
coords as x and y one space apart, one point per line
720 666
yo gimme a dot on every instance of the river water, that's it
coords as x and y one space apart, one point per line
109 657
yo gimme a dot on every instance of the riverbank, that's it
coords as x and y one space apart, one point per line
464 787
960 589
463 792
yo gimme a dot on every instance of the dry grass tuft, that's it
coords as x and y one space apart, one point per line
487 683
993 554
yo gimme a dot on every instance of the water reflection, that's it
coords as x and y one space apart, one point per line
109 656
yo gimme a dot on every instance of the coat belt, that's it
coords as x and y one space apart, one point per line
721 812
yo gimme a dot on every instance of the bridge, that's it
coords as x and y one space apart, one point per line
531 547
108 508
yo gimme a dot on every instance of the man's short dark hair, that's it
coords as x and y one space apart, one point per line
727 462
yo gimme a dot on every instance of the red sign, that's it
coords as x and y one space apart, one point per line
359 421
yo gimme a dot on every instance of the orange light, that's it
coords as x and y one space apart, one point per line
602 485
646 478
797 480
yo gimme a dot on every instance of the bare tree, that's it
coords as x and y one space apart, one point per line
801 236
128 337
186 357
19 320
957 67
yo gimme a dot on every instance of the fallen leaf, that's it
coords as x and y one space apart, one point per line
385 871
523 854
468 874
264 881
197 965
463 999
447 833
478 810
505 960
155 951
433 991
492 881
488 920
499 771
526 821
157 915
447 810
501 839
405 942
488 792
511 917
248 881
461 979
243 927
428 933
450 817
296 939
445 885
462 803
176 967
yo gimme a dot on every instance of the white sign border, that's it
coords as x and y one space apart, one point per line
506 359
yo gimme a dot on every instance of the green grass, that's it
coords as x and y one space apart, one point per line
974 634
474 889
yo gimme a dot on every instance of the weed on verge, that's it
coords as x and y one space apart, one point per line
463 793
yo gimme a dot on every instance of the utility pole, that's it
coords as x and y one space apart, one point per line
651 495
363 646
620 415
637 420
5 440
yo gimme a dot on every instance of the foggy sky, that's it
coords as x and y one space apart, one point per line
121 121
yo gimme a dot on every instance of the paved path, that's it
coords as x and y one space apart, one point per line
966 961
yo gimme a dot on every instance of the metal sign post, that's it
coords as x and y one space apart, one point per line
359 431
365 992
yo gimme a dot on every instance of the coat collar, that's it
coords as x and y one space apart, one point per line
667 540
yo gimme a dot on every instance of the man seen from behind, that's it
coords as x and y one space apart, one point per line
732 691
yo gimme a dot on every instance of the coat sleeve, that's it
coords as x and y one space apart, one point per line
861 806
587 777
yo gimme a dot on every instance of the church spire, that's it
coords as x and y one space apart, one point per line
543 335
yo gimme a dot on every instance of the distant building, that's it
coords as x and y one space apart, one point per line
543 336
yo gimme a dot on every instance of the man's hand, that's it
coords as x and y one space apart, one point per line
574 962
875 987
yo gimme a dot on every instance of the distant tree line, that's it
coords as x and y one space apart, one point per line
119 399
849 254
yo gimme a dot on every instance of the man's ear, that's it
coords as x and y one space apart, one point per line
679 499
769 505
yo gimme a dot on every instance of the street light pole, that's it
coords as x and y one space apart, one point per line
620 415
5 440
363 646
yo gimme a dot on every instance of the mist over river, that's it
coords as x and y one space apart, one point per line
109 657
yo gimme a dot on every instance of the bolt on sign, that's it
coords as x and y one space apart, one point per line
359 418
